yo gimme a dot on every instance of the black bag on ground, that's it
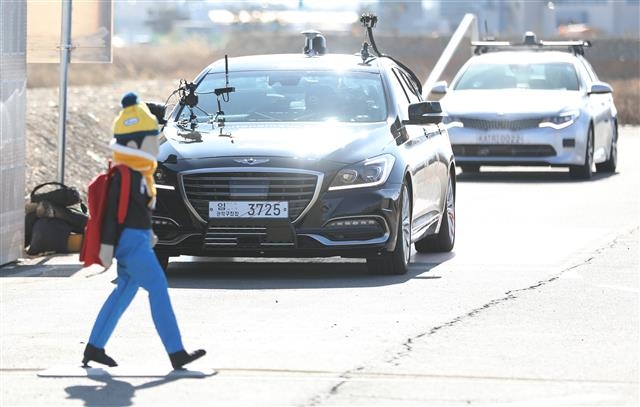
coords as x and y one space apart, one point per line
49 235
50 218
30 219
62 195
76 219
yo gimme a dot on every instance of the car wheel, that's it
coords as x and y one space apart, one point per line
446 237
584 171
396 262
470 168
612 162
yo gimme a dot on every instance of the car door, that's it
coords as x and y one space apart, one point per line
419 147
438 145
600 105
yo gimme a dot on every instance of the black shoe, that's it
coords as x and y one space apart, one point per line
181 358
97 355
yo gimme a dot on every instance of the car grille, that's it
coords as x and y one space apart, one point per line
499 124
250 236
503 150
297 188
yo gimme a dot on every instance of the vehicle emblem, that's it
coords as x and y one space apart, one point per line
252 161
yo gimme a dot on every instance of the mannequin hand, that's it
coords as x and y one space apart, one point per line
106 255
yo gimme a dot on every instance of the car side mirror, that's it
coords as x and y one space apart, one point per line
439 88
425 113
600 88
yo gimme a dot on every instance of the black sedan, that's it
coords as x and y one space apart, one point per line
305 155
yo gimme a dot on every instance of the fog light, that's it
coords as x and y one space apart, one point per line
352 222
165 228
365 228
568 142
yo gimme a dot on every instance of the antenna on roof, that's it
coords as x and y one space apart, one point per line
225 92
529 38
314 43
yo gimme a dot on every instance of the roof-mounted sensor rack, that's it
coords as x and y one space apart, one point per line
369 21
530 43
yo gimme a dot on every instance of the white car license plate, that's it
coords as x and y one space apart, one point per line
500 139
248 209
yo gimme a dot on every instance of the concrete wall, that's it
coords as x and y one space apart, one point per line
13 81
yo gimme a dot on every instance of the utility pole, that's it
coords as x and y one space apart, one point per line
65 58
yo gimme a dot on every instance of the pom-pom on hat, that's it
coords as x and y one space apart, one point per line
134 121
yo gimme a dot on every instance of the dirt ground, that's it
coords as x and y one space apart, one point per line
90 114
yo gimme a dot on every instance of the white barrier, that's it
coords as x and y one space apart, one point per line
468 22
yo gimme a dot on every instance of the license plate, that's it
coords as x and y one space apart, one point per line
500 139
248 209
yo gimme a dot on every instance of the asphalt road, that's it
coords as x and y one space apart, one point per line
537 305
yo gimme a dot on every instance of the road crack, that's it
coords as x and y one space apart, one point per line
407 346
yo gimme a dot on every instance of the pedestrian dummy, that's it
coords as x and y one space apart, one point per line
135 145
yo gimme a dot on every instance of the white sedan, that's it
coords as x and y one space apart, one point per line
531 105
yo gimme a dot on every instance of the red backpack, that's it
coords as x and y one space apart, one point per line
96 199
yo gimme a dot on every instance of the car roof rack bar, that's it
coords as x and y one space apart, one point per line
574 46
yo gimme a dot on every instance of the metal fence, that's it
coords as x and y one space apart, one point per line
13 83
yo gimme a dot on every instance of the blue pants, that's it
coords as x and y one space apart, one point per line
138 267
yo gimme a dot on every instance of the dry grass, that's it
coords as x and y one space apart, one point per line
626 93
140 62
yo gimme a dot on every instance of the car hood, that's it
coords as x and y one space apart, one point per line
339 142
509 102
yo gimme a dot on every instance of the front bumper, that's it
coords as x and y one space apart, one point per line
359 222
530 146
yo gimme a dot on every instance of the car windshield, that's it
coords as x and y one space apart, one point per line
281 96
547 76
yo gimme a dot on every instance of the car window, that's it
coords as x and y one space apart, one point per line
399 89
402 95
277 96
545 76
589 69
412 91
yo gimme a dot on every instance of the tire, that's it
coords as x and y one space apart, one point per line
470 168
444 240
396 262
612 162
584 171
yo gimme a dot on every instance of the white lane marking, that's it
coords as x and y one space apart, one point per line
77 371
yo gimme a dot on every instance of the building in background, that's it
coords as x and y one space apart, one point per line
615 18
548 18
13 95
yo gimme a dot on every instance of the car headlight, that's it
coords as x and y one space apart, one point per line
162 177
560 121
368 173
452 121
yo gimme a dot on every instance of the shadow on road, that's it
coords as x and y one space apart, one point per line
44 266
285 274
525 176
112 392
